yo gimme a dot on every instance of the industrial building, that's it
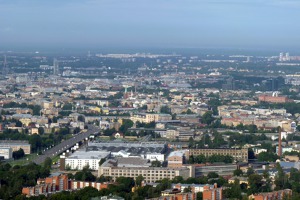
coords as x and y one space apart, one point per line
237 153
146 150
133 167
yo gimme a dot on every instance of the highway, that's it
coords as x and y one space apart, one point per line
67 144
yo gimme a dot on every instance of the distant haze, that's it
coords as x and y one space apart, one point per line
272 24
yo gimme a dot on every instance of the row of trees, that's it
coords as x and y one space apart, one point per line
38 142
210 159
12 179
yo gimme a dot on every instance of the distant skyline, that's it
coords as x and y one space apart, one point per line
265 24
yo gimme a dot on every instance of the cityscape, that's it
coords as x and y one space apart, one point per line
149 100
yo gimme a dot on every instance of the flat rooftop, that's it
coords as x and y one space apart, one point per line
89 155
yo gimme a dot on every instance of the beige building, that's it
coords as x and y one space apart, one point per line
133 167
149 117
172 134
34 131
16 145
237 154
47 105
25 121
150 174
176 159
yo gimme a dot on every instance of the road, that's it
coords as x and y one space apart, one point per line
67 144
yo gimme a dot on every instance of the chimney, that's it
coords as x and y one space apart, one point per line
279 142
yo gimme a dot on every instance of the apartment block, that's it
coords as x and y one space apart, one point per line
57 183
150 117
276 195
16 145
76 185
212 193
81 159
6 152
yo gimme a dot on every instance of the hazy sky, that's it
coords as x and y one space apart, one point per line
150 23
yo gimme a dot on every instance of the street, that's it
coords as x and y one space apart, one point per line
67 144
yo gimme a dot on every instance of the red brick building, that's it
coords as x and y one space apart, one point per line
273 99
276 195
59 183
212 193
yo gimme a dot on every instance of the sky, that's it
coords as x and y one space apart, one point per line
150 24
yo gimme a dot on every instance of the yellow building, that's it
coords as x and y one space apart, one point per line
25 121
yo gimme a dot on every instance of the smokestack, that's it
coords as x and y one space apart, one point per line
279 142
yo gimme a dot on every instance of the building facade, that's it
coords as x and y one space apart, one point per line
16 145
150 174
6 152
238 154
276 195
212 193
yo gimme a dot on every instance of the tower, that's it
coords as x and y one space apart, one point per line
279 142
281 57
5 67
55 67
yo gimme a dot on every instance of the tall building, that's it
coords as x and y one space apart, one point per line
55 67
279 143
5 66
281 57
272 84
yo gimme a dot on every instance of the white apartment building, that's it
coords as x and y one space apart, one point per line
81 159
6 152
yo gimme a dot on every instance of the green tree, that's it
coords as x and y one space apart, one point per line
267 156
255 183
155 163
41 130
199 196
19 124
18 154
238 172
165 109
212 175
126 124
138 180
48 163
207 118
250 171
81 118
